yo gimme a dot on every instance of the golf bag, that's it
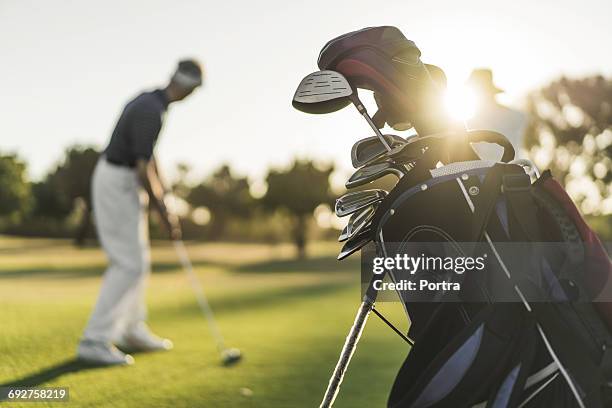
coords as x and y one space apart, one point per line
533 338
532 327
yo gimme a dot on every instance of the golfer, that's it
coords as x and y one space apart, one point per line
492 115
125 180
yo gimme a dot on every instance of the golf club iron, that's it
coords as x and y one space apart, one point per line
228 355
355 244
356 200
359 220
366 150
343 235
328 91
373 172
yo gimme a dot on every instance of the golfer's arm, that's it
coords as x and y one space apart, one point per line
151 183
162 181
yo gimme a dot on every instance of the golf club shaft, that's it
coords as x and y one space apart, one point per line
357 102
347 352
181 251
368 119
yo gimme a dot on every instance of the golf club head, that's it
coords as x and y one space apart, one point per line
360 220
356 200
343 235
230 356
373 172
370 148
355 244
322 92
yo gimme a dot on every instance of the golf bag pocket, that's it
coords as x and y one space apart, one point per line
488 360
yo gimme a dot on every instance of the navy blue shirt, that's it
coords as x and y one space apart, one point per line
137 129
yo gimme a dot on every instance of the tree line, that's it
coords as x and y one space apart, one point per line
220 206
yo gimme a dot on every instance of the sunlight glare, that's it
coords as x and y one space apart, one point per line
460 102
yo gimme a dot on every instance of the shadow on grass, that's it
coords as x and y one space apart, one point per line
319 264
48 374
251 301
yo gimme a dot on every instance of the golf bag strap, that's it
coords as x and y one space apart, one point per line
485 202
517 190
586 373
419 174
516 187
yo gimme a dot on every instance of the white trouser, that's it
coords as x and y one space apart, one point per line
120 213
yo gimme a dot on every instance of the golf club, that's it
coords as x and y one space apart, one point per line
373 172
366 150
343 235
360 219
355 244
228 355
356 200
328 91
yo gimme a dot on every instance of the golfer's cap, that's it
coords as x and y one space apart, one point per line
188 73
482 79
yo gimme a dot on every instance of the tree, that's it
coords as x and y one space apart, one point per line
15 191
68 184
299 190
571 133
225 196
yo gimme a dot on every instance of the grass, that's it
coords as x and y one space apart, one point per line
288 317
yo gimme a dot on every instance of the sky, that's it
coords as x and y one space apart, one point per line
68 67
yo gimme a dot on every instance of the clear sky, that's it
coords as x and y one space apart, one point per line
67 68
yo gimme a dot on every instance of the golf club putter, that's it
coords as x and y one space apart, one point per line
328 91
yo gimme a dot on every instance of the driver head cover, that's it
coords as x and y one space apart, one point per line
383 60
188 74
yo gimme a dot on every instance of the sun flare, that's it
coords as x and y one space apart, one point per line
460 102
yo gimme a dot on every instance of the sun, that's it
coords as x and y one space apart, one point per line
460 102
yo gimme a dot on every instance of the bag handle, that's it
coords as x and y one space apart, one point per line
490 136
453 144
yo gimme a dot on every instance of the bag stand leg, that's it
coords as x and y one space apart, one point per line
350 345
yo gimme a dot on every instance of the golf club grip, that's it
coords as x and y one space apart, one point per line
345 355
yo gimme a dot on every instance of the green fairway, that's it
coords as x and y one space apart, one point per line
288 317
